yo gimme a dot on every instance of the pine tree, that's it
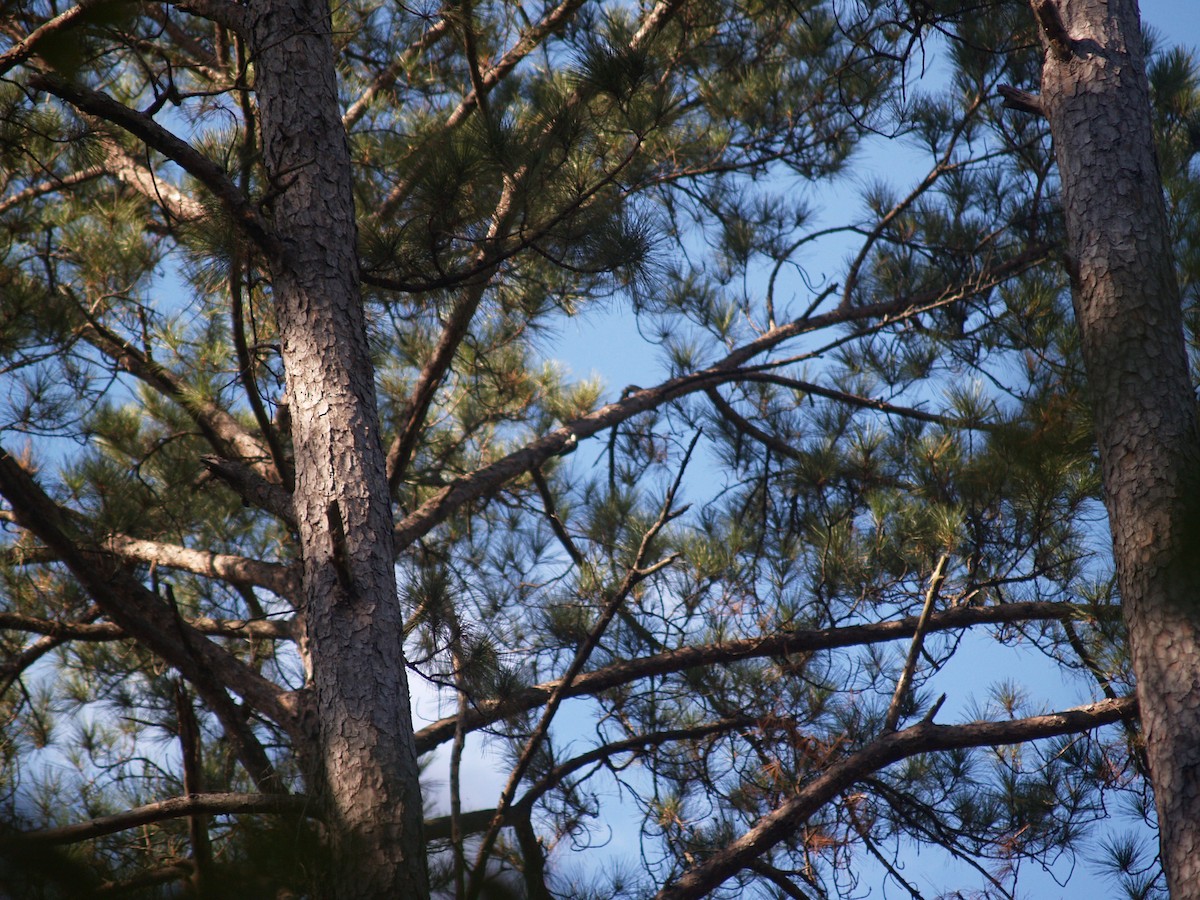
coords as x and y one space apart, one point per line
288 434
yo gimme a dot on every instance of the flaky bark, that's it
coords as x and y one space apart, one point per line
1096 97
365 766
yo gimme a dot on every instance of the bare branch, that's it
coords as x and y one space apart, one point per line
141 178
259 629
914 651
281 580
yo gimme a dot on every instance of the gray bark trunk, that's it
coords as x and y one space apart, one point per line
1096 97
363 762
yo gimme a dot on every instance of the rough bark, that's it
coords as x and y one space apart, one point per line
364 765
1096 97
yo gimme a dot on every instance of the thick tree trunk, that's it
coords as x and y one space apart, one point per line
1096 97
363 764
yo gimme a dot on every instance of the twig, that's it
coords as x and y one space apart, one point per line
914 651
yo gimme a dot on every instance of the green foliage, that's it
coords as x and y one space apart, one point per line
728 170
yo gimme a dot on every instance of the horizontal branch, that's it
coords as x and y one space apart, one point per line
217 804
269 629
50 186
239 570
214 804
799 641
925 737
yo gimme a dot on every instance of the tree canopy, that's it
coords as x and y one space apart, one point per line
290 433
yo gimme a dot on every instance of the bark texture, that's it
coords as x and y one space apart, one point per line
364 764
1096 97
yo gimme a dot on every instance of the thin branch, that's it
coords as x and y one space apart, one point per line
638 743
746 427
220 428
269 629
189 746
246 373
914 650
386 77
940 168
718 652
214 804
49 186
526 44
849 399
925 737
779 879
556 524
412 417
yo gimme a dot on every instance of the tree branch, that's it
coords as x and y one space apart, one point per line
27 46
214 804
141 613
635 574
269 629
49 186
387 77
719 652
924 737
240 570
253 488
208 173
220 429
914 651
487 480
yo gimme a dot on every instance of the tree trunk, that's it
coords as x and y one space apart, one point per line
1096 97
363 763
